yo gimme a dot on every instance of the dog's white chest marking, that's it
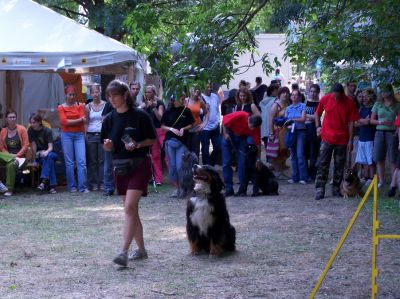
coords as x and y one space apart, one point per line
202 214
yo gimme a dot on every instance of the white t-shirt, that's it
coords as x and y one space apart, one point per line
214 114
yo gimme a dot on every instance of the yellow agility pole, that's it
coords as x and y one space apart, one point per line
375 242
343 238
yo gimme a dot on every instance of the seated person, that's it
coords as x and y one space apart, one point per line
14 143
41 139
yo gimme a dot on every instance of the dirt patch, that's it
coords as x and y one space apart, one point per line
61 247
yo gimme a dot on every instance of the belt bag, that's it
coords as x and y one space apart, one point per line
124 167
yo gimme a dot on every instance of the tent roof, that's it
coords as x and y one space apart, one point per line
37 38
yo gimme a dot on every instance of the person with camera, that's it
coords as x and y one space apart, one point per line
128 133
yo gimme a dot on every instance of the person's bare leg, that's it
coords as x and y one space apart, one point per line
381 171
132 226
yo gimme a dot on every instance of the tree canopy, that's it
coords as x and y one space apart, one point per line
353 39
190 42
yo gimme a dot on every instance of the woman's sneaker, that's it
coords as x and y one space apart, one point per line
137 255
121 259
3 188
20 161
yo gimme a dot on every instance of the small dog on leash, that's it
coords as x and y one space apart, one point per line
351 185
207 220
186 182
262 177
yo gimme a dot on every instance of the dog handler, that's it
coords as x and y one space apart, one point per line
128 121
237 127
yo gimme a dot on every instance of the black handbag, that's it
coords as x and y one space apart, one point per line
123 167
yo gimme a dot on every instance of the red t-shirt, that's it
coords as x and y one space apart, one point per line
238 123
338 115
397 121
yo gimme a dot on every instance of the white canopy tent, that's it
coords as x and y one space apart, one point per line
38 42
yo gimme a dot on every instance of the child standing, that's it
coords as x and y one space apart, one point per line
366 136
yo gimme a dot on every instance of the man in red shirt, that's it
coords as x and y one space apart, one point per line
337 137
238 129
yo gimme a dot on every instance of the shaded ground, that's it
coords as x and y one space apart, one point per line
61 247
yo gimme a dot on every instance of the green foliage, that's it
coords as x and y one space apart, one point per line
354 38
187 42
192 42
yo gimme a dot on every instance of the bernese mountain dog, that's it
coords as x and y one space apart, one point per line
208 227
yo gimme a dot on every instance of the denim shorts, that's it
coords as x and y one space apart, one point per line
385 146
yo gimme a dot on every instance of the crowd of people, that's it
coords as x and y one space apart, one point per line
119 145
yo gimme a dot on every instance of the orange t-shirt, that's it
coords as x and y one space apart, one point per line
195 109
71 112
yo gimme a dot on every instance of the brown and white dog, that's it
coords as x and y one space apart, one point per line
351 184
208 228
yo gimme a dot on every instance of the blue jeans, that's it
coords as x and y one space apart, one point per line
238 144
48 168
299 165
108 173
73 144
215 137
175 149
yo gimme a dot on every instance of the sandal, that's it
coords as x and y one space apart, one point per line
52 190
41 187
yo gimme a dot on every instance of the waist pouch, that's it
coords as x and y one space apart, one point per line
124 167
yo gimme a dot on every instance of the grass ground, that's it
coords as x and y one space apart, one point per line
61 246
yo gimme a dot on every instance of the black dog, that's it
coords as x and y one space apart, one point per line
262 177
207 220
186 182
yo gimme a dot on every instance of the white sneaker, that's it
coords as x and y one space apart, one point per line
20 161
290 181
303 182
3 188
380 185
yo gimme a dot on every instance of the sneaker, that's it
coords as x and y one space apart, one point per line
85 191
392 192
3 188
8 193
362 181
94 188
380 185
368 182
52 190
319 193
158 184
174 194
73 190
291 181
121 259
137 255
20 161
303 182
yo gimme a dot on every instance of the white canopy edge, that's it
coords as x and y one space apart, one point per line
37 38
